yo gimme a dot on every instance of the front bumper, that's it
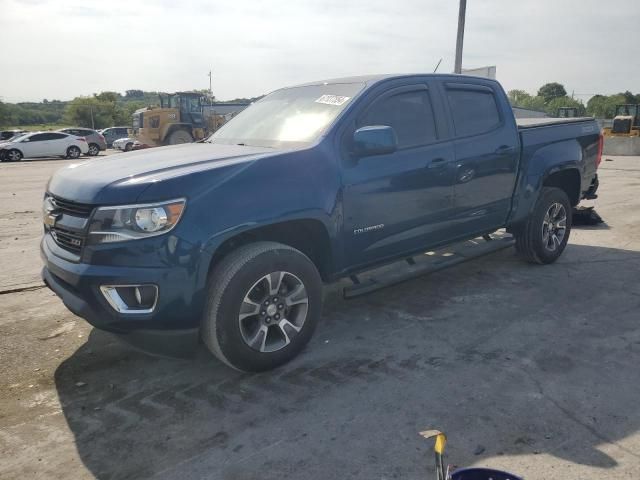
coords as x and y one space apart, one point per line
178 306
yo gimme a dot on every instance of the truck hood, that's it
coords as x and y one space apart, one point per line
129 174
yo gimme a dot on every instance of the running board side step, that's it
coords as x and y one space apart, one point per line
429 262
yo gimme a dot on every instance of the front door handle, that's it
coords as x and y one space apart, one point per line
437 163
504 150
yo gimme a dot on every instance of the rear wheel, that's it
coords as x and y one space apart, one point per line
544 236
94 149
264 301
73 152
14 155
179 136
128 147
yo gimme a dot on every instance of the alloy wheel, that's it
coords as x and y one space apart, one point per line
273 312
554 227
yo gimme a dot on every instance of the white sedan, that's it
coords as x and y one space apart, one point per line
43 144
127 144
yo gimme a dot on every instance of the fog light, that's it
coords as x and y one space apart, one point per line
131 298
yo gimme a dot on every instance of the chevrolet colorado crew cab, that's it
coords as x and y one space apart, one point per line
233 237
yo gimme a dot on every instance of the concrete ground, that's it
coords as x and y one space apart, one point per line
527 368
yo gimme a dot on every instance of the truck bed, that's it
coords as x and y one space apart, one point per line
543 122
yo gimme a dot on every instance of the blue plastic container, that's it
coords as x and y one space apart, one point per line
482 474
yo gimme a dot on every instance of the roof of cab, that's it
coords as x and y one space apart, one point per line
372 79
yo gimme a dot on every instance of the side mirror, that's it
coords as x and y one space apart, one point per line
26 140
374 140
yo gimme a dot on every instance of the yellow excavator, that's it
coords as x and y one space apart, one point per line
178 119
626 122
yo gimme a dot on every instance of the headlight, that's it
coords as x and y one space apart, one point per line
131 222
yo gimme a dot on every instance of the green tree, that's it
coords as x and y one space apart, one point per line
89 112
129 94
553 105
552 90
533 103
518 96
629 97
602 106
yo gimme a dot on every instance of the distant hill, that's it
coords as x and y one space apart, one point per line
52 112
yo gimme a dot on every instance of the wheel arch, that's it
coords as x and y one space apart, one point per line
567 179
308 235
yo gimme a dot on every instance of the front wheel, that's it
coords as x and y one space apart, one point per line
14 155
179 136
545 234
73 152
128 147
264 301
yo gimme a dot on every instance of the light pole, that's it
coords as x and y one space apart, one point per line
460 38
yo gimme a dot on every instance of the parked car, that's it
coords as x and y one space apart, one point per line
233 238
95 140
43 144
127 144
112 134
124 144
8 134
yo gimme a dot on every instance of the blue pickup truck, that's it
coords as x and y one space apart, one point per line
233 238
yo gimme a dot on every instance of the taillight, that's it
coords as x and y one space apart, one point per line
82 139
600 148
101 137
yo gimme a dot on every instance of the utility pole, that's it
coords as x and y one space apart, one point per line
460 38
210 90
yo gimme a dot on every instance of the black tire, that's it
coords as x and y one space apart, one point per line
179 136
128 147
530 238
238 276
94 150
73 152
13 155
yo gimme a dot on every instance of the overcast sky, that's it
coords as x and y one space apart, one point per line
58 49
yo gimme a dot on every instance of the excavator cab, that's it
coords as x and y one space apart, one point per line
188 105
567 112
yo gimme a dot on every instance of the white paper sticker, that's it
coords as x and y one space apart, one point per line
333 100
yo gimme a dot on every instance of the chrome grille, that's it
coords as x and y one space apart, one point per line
72 208
67 240
70 239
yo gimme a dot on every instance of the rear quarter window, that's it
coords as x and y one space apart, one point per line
474 111
57 136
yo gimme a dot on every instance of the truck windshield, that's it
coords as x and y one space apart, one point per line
291 117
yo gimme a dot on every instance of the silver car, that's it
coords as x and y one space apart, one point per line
112 134
95 140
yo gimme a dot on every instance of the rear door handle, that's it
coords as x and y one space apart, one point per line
504 150
437 163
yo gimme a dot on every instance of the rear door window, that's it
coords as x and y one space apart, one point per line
39 137
410 114
474 111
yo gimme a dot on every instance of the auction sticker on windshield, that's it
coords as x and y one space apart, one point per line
333 100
